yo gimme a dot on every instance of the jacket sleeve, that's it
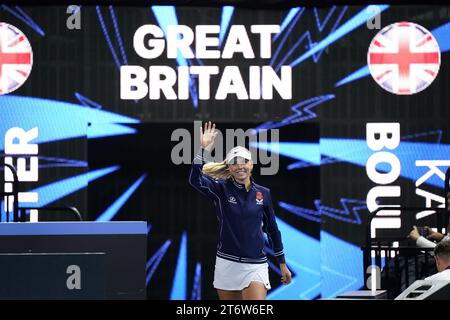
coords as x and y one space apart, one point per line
425 243
202 183
270 227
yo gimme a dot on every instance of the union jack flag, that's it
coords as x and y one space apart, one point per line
16 58
404 58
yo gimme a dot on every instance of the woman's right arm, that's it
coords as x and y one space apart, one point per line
202 183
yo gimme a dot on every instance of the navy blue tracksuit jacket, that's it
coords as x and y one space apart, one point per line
243 216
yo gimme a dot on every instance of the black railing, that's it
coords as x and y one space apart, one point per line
68 209
402 264
13 193
20 213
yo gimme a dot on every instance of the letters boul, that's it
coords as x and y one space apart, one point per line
384 139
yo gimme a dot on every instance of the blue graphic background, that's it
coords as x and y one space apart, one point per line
72 97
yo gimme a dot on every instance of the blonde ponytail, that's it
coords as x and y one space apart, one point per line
216 170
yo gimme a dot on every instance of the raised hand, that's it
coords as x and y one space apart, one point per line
208 135
414 234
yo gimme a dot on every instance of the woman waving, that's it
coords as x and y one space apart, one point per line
245 211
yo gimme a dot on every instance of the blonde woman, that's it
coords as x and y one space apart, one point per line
245 211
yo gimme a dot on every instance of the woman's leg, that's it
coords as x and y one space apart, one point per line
255 291
229 295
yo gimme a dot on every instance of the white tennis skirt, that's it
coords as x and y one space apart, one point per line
233 276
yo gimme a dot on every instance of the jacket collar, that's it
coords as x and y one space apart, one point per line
242 186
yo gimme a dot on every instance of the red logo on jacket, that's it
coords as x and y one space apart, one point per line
259 197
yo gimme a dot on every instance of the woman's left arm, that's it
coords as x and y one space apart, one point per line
270 227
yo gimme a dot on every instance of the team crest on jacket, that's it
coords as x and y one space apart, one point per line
259 197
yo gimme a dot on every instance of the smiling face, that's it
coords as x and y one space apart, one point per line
241 169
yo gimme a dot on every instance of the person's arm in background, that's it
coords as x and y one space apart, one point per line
270 227
421 242
202 183
433 235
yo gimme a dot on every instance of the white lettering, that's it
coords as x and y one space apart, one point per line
379 136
